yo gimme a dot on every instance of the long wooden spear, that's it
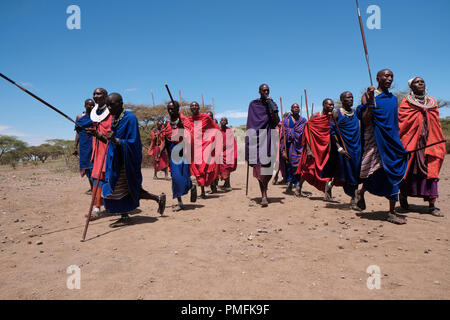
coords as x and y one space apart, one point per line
41 100
363 36
307 123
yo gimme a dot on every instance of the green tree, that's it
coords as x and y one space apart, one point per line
9 143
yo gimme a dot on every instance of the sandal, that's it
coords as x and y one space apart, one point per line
95 214
396 219
327 194
353 205
161 203
123 221
177 208
435 211
360 201
264 202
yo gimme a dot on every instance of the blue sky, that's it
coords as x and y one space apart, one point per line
223 49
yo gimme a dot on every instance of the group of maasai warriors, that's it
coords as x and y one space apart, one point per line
109 146
380 145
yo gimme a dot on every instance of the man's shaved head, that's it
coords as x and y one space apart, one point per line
295 109
264 90
346 98
99 96
385 78
114 102
379 73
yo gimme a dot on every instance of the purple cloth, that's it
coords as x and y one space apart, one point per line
414 186
294 134
259 119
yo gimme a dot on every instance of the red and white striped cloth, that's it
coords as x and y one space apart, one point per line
371 161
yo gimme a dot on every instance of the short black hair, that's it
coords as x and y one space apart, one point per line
326 99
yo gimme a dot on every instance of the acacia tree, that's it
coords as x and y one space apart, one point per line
10 143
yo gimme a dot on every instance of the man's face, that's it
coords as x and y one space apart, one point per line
264 91
418 86
172 110
89 106
295 109
195 108
114 106
385 79
100 97
223 122
347 99
328 106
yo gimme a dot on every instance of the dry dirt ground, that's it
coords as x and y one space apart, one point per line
225 247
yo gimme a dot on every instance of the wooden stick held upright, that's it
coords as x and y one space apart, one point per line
203 101
94 193
246 183
282 125
363 36
339 133
301 104
307 114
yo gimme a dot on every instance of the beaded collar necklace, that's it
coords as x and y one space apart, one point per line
347 113
116 121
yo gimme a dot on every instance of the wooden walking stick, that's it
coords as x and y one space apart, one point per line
339 133
282 126
246 183
301 105
181 101
94 193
